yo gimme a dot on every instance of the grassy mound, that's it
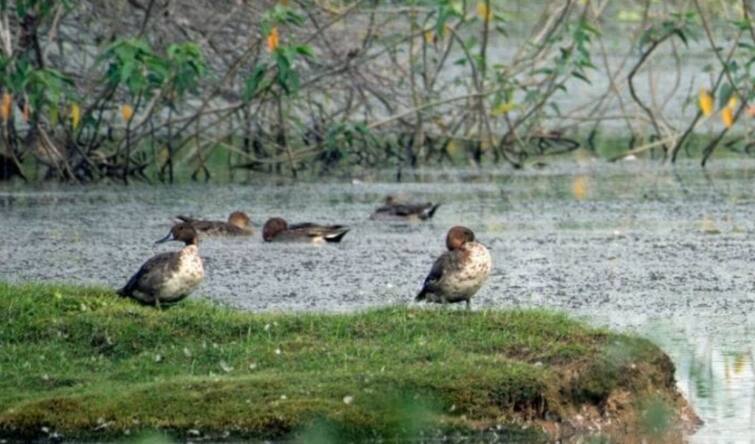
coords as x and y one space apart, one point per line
81 362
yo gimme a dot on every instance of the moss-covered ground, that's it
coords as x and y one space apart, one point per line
83 363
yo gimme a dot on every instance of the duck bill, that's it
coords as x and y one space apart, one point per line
167 238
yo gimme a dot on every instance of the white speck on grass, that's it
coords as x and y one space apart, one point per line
187 352
226 368
158 358
348 400
253 366
278 351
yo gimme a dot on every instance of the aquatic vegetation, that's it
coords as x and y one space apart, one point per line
81 362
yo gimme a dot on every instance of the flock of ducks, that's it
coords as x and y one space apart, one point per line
167 278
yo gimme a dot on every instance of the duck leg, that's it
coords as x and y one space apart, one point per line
469 305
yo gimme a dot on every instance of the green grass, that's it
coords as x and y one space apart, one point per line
86 364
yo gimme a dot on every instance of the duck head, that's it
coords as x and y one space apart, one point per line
239 219
458 236
182 232
272 227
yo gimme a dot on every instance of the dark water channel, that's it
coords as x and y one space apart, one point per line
666 252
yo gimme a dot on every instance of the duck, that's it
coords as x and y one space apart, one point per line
168 278
394 208
459 272
238 224
276 229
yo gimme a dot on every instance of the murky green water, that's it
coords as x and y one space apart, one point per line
667 252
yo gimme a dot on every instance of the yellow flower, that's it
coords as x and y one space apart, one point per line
484 11
429 36
75 115
727 116
503 108
273 39
6 107
733 102
706 102
127 112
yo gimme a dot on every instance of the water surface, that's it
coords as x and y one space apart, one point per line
666 252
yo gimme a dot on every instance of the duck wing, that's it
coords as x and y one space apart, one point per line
421 210
149 276
443 263
331 233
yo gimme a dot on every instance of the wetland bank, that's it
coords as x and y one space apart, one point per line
81 363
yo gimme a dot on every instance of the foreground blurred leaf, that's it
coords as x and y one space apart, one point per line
580 187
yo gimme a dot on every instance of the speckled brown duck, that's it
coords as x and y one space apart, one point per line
167 278
238 224
459 272
397 209
277 229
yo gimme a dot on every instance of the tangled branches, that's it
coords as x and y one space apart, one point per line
150 89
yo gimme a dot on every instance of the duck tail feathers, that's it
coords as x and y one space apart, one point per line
421 296
336 236
431 211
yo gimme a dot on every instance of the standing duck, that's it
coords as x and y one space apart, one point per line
277 229
393 208
167 278
459 272
238 224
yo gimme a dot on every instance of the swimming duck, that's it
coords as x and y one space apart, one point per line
393 208
167 278
459 272
238 224
278 230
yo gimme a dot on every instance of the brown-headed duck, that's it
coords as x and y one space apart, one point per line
277 229
238 224
459 272
167 278
395 208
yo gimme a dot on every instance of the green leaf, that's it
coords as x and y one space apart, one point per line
581 77
304 50
253 82
724 94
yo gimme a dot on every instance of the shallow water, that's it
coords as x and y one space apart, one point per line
667 252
